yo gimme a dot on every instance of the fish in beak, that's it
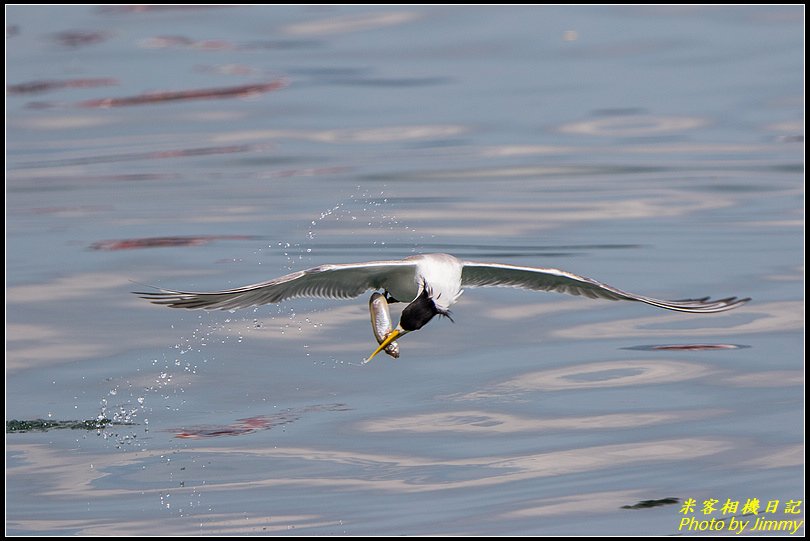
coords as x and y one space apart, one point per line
381 322
415 316
388 340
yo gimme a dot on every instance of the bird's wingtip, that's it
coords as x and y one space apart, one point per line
721 305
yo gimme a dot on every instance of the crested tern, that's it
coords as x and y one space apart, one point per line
429 283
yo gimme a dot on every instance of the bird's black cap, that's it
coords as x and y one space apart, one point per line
417 314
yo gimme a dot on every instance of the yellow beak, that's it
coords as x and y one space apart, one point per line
388 339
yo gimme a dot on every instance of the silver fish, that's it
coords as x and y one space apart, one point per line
381 322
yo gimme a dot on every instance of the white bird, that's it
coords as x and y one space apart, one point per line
430 283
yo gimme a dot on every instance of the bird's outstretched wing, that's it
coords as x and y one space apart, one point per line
476 274
343 281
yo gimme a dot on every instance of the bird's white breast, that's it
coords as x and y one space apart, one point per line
442 275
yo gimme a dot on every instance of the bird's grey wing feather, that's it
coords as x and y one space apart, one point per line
343 281
475 274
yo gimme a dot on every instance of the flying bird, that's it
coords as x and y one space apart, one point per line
429 283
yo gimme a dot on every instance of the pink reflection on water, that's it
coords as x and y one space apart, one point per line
693 347
241 91
252 424
163 42
163 242
237 428
80 38
687 347
34 87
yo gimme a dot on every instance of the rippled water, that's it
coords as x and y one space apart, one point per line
660 150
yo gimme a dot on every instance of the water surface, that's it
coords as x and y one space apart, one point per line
656 149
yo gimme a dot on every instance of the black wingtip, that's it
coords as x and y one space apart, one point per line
721 305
